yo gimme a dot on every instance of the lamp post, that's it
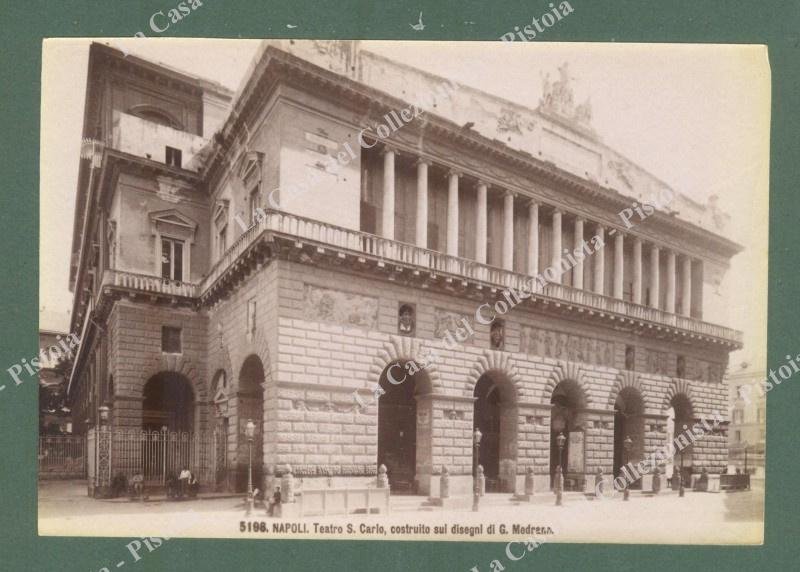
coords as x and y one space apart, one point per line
627 447
560 441
104 415
680 489
744 444
250 430
476 449
476 488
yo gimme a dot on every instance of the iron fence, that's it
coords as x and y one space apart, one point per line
62 456
160 455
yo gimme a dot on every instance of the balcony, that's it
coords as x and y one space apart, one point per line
363 245
300 231
150 284
147 139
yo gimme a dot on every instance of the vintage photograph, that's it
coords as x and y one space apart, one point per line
498 291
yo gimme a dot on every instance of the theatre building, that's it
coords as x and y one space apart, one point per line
277 254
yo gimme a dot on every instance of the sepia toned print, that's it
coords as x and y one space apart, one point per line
353 289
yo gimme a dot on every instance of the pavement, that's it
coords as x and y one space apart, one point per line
698 518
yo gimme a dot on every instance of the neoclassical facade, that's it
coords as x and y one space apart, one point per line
336 252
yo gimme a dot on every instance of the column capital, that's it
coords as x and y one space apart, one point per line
509 193
558 210
483 183
423 161
580 218
454 173
655 248
637 240
531 202
386 149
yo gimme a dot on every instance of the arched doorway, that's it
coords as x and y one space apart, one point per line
494 415
168 403
401 426
168 415
250 408
628 422
567 401
683 419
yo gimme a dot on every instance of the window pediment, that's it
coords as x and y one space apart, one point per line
172 223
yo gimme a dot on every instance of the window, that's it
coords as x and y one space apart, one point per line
255 197
738 437
630 358
173 156
760 415
172 259
738 416
170 340
681 367
251 316
222 240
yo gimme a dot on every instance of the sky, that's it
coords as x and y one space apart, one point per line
695 116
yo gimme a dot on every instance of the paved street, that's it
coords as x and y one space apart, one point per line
698 518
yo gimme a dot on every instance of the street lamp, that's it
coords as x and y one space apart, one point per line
104 415
627 446
560 441
680 490
476 446
476 487
250 430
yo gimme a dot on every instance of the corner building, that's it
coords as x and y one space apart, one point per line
275 255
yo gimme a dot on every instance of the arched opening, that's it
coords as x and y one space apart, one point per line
401 426
219 386
567 401
683 420
250 408
154 115
628 423
168 412
494 415
168 403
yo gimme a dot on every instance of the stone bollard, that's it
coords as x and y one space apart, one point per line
559 485
529 482
481 481
383 478
598 481
444 484
656 480
287 486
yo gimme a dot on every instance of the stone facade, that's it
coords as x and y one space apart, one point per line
209 312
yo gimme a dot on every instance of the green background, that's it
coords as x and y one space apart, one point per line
24 24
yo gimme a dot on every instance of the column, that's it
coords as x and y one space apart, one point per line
670 305
422 203
686 275
555 259
619 262
508 230
577 271
598 262
480 223
654 277
387 228
533 238
637 270
452 214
